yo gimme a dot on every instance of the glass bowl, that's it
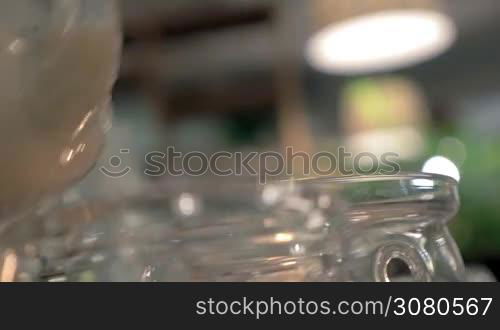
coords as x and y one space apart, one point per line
376 228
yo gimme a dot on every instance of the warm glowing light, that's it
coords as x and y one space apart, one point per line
423 183
67 156
283 237
270 195
443 166
17 46
9 267
298 250
187 204
289 263
405 141
83 124
381 41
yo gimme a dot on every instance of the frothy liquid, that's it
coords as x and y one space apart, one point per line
55 92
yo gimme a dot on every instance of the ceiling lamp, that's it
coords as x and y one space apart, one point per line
367 36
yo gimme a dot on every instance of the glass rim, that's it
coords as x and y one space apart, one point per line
374 178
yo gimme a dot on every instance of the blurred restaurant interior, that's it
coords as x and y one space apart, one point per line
261 75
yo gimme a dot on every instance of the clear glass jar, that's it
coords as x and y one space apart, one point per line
58 62
380 228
